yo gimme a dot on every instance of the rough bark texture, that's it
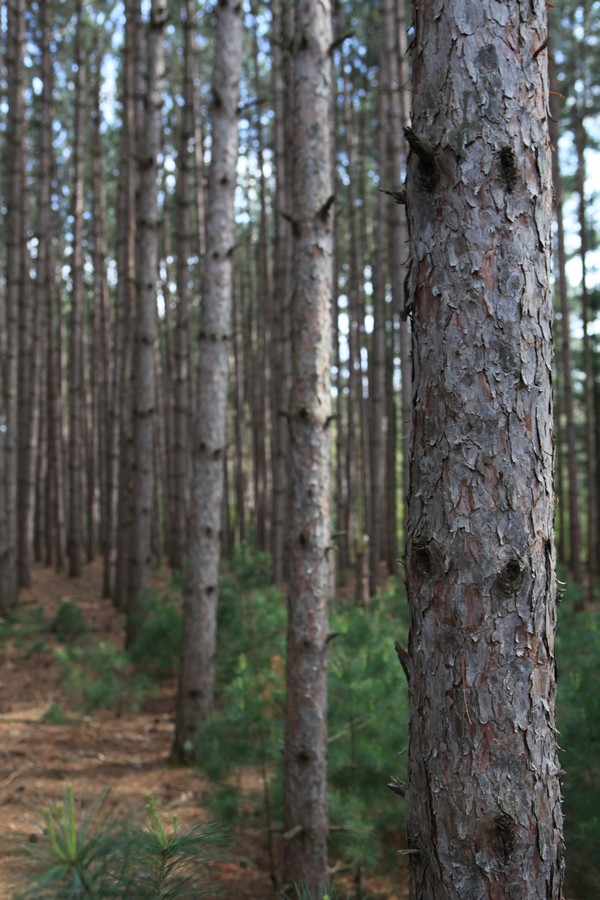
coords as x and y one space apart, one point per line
305 752
197 669
483 802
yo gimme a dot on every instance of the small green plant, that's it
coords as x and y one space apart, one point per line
69 856
82 852
158 644
54 715
169 862
68 624
101 677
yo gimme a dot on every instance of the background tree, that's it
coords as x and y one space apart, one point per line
305 751
197 669
144 372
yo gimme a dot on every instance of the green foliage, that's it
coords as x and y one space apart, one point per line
68 624
101 677
92 853
54 715
158 645
578 719
368 726
368 710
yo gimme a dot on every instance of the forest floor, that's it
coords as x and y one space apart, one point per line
124 751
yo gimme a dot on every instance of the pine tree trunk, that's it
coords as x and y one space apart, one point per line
184 243
144 363
122 399
76 391
305 749
280 336
580 137
15 297
197 669
567 363
483 799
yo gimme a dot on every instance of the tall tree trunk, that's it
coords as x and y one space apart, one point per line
182 341
122 399
76 388
567 364
580 137
378 418
100 357
483 799
15 297
282 14
305 749
197 669
144 363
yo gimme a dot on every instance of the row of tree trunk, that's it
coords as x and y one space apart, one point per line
185 378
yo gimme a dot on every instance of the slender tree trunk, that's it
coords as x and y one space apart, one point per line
305 750
282 14
567 363
197 670
184 243
590 412
378 418
355 524
122 403
239 411
101 327
15 297
483 800
76 389
144 363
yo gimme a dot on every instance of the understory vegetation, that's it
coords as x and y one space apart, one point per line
367 733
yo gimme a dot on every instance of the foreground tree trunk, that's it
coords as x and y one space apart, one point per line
197 669
305 751
483 799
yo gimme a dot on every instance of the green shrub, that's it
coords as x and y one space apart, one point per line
368 710
578 720
101 677
158 645
54 715
68 624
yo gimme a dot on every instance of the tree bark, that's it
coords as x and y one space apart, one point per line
76 388
15 187
483 800
567 364
197 669
305 750
144 371
185 201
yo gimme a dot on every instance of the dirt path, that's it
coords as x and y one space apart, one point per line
127 753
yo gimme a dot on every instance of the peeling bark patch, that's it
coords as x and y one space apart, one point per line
508 168
422 559
510 578
505 834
